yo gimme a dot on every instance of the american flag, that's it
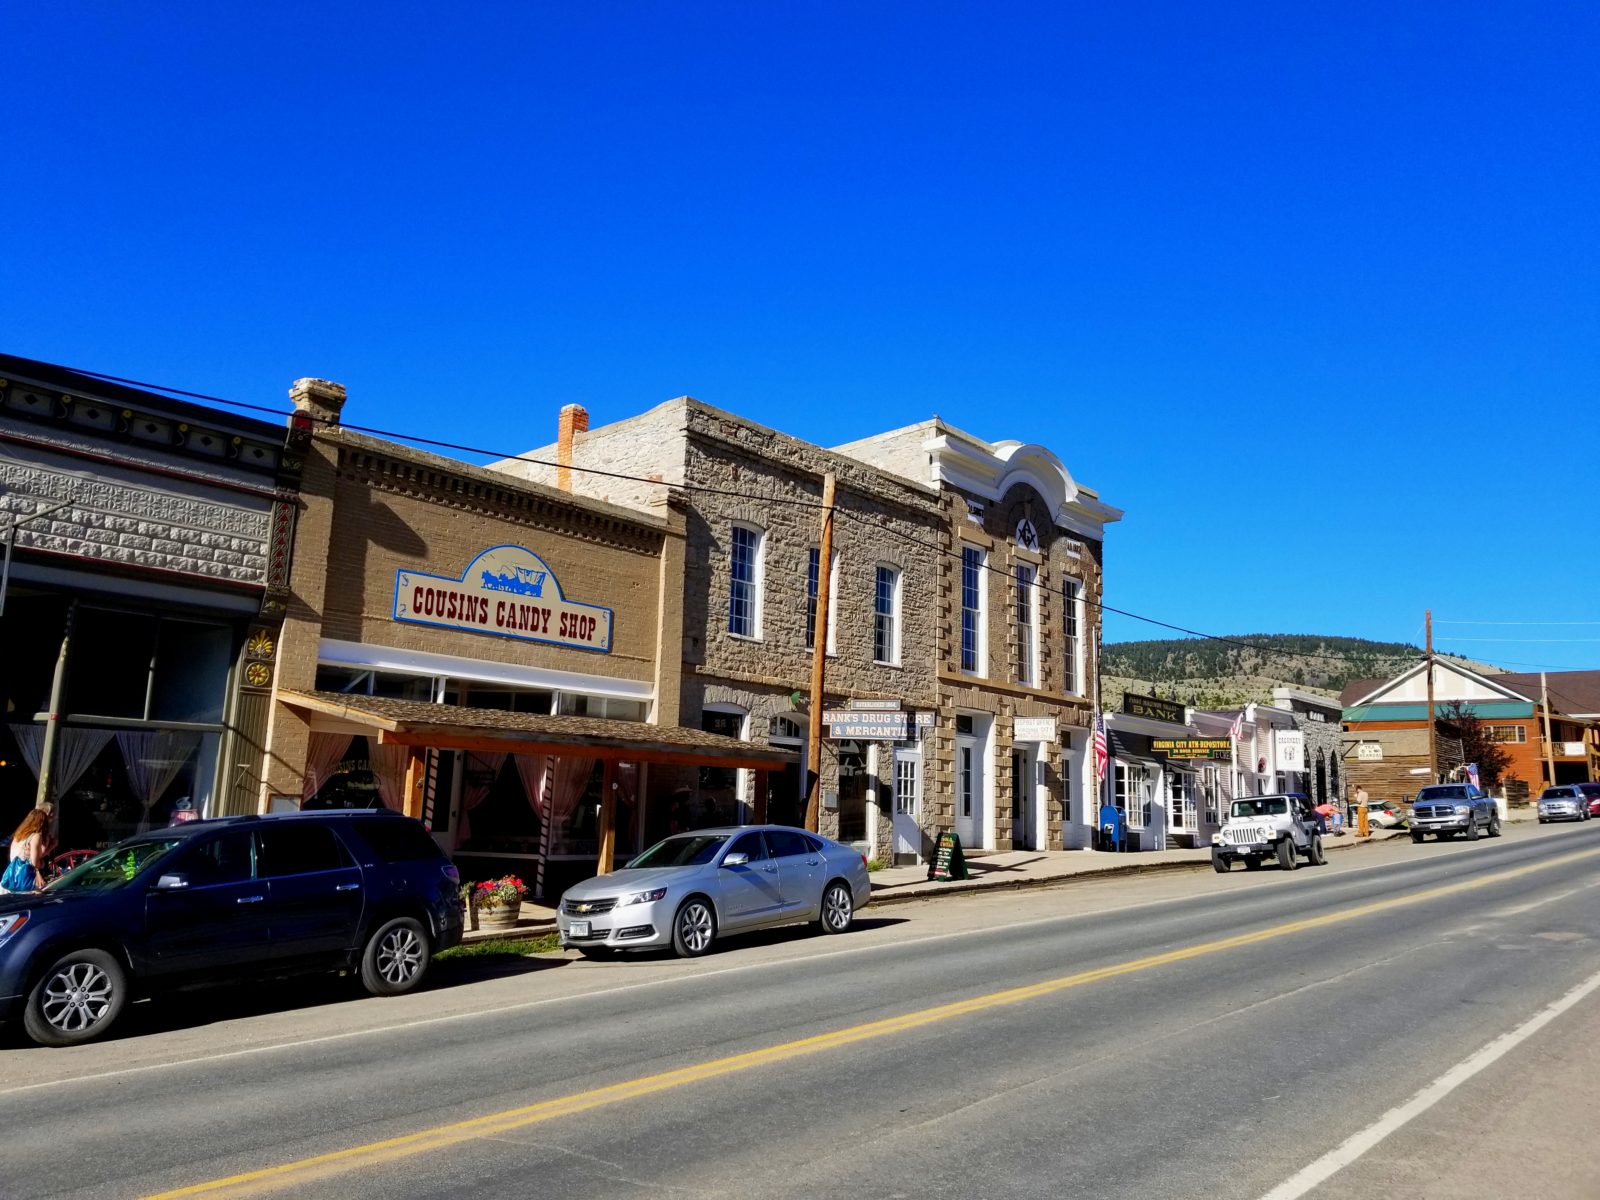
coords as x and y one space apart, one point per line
1238 727
1101 756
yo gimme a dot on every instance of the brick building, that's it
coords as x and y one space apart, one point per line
751 570
1016 618
1510 707
498 657
151 554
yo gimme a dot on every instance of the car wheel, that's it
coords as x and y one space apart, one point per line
1286 855
76 1000
693 928
1416 838
1542 821
1219 864
396 957
1314 853
838 908
1494 824
1472 829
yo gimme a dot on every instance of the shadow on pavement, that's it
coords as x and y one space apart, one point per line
197 1006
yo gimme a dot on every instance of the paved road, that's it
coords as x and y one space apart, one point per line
1155 1037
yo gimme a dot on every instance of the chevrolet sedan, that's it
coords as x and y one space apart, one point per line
689 889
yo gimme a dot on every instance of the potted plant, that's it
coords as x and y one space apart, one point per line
498 902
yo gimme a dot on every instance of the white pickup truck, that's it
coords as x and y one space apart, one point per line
1263 827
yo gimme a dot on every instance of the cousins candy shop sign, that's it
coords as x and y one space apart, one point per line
507 591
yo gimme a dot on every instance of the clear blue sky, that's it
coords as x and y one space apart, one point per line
1309 290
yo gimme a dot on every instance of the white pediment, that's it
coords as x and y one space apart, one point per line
1451 682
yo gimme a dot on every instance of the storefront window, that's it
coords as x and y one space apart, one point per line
115 783
144 667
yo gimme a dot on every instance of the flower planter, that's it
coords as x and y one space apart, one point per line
498 918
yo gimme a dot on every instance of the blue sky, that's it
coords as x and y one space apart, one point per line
1309 290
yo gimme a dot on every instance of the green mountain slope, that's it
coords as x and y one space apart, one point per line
1216 674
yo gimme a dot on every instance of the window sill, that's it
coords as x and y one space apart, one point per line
746 637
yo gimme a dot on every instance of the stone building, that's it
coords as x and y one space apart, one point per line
148 562
497 657
751 570
1016 619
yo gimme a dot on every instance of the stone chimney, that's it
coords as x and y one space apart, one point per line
573 421
321 400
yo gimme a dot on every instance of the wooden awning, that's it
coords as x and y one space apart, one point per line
495 731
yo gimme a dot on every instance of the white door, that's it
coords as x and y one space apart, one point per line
969 791
907 804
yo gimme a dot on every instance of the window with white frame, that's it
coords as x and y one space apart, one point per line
886 616
745 562
1125 791
1071 625
1211 792
1027 626
1506 733
813 582
907 777
972 609
1180 810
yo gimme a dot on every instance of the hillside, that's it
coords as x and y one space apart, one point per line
1216 674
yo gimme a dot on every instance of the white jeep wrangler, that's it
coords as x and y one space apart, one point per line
1263 827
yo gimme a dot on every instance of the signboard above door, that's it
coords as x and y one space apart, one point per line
1152 707
507 591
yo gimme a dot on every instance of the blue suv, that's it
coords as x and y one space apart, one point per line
362 890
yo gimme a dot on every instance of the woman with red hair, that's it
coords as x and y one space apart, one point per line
30 850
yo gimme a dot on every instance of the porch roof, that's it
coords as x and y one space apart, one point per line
492 730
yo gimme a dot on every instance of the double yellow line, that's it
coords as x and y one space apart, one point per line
371 1154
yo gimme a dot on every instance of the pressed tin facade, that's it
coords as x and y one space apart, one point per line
753 499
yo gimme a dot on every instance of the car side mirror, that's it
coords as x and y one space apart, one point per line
735 860
174 882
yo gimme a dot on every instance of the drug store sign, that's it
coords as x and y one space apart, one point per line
507 591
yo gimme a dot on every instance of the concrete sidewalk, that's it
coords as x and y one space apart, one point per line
988 869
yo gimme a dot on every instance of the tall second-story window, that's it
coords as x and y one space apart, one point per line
744 594
813 581
1027 627
1071 647
971 608
813 578
886 616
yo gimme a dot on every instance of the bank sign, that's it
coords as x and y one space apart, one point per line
507 591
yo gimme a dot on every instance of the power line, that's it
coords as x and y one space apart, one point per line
463 448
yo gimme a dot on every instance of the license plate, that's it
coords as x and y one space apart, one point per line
577 929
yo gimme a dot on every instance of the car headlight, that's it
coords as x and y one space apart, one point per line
1411 813
9 924
645 897
1463 809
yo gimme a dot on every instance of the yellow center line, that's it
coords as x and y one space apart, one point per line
317 1166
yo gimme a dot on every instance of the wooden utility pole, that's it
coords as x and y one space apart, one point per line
819 659
1433 745
1549 750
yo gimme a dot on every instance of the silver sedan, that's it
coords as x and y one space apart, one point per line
691 887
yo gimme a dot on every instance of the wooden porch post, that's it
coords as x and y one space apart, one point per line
416 775
759 800
608 817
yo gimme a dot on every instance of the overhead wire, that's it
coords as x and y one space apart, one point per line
800 501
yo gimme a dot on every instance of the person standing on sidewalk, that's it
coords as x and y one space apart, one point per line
30 851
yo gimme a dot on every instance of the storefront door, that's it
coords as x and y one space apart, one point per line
907 805
1022 800
969 791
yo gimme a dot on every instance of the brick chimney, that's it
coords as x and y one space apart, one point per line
320 399
573 421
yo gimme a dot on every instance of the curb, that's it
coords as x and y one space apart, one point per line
968 887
